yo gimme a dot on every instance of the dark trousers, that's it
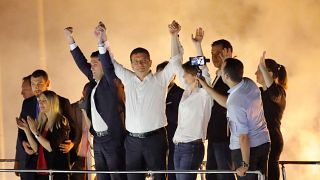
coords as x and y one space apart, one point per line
79 164
188 156
146 154
30 163
258 160
108 156
276 149
219 158
170 160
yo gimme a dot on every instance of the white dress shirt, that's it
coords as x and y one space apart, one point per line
98 123
194 110
146 99
245 114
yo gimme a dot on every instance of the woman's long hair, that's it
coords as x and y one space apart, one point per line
54 108
279 72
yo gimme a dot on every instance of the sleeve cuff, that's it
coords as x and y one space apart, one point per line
103 47
73 46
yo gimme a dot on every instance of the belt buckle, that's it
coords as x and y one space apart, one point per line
101 133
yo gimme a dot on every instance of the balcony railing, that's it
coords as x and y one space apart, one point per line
151 173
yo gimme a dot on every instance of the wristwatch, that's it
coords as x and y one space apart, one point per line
37 135
244 164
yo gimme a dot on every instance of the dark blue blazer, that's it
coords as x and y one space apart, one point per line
109 95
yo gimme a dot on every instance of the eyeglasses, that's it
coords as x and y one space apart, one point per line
136 62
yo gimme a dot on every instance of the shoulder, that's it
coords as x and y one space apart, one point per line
61 121
63 101
29 103
177 89
32 99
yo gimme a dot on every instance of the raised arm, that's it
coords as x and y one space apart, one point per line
77 54
165 76
264 71
219 98
176 50
105 58
120 72
197 39
174 29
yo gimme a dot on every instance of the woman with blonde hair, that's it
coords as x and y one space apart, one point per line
46 134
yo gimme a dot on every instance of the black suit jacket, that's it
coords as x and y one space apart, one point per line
172 108
109 95
217 127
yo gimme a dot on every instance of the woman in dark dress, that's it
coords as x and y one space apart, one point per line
46 134
273 78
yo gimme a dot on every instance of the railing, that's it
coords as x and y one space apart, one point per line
283 169
150 173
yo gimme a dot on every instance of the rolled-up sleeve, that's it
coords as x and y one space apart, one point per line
238 117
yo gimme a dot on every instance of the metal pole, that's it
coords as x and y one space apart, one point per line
261 176
151 176
283 169
50 175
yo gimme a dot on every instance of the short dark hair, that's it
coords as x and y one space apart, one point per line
234 69
40 73
161 66
95 54
140 50
27 79
224 43
188 68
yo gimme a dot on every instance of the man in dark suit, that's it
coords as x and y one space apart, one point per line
172 105
105 108
218 153
30 107
26 92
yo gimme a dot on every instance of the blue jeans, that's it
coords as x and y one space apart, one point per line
188 156
219 158
108 156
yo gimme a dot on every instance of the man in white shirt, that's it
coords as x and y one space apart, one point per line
146 143
250 140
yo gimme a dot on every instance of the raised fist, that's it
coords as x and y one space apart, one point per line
174 28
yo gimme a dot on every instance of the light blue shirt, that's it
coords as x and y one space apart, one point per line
245 114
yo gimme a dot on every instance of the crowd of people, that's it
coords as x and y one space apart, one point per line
141 120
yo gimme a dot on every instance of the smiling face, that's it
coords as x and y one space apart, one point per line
215 52
96 68
189 78
43 103
140 63
39 84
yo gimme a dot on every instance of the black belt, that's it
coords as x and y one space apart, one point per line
101 133
146 134
198 141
